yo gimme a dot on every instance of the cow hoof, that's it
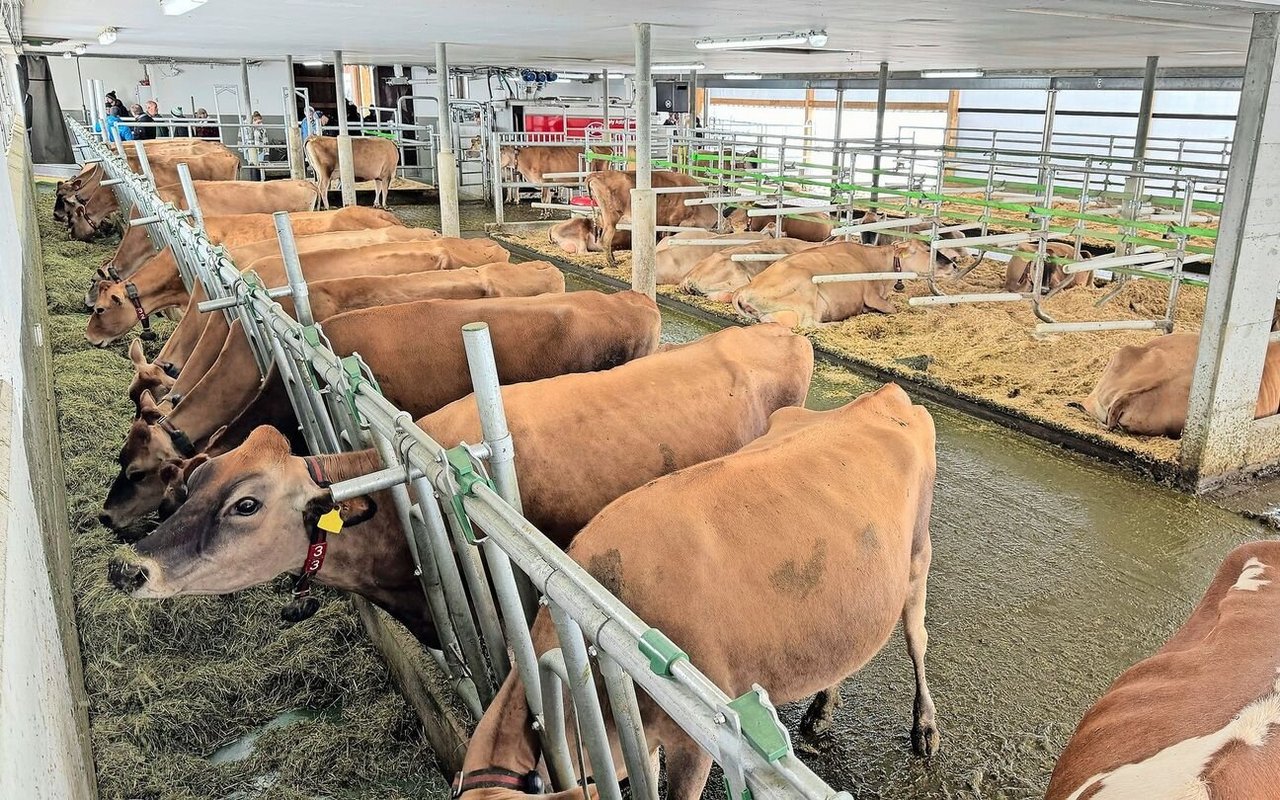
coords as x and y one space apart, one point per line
815 725
925 739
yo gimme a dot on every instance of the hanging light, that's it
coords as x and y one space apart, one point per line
80 49
173 8
677 67
951 73
68 54
742 76
108 36
811 38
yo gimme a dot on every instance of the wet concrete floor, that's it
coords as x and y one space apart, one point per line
1051 575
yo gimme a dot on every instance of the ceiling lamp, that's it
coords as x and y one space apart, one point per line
68 54
811 38
677 67
568 77
313 63
108 36
742 76
80 49
172 8
952 73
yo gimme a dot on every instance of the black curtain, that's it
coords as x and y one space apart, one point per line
46 132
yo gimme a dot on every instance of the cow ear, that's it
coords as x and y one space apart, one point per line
353 511
171 471
213 440
148 411
136 355
189 466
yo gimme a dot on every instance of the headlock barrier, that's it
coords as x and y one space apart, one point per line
476 537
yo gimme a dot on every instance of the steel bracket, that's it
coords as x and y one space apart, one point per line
661 652
465 476
760 724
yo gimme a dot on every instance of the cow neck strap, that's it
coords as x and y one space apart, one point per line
131 291
897 267
181 441
497 778
318 536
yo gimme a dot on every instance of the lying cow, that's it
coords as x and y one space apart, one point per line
373 159
332 297
233 230
533 338
579 236
814 226
784 292
1200 718
1145 388
1019 277
830 573
720 389
673 262
535 162
611 191
718 276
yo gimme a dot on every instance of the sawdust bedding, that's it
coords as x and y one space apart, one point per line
984 352
170 682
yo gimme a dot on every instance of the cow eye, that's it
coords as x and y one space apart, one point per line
247 506
134 475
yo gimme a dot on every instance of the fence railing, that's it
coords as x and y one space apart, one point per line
339 407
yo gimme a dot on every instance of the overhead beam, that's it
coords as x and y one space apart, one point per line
857 105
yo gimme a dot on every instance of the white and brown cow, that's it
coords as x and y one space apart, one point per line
1200 719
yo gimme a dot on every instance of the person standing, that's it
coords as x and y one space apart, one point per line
140 114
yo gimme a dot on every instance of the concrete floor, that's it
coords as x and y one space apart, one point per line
1052 574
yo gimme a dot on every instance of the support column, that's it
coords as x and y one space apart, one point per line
446 164
1220 434
246 115
246 100
882 95
346 161
1046 133
837 131
644 213
293 131
1133 187
604 105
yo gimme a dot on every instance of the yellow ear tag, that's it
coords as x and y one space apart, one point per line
330 521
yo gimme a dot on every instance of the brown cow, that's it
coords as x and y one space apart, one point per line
373 159
331 297
222 198
533 338
581 235
1199 719
1018 277
122 305
718 276
536 161
673 261
1145 388
786 580
721 388
784 292
611 191
814 226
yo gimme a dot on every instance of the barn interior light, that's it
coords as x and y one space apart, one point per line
173 8
951 73
68 54
677 67
750 42
80 49
108 36
568 77
1212 52
742 76
313 63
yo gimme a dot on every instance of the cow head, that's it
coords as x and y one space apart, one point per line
138 489
148 378
83 228
507 157
737 220
574 236
102 273
247 518
113 315
174 474
913 256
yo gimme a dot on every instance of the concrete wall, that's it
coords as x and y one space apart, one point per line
171 85
44 751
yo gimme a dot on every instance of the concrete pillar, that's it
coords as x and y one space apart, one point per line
644 271
293 131
604 105
246 100
1221 436
446 164
346 161
882 96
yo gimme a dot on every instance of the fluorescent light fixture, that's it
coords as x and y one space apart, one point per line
68 54
1212 52
567 77
80 49
313 63
1159 21
676 67
750 42
173 8
951 73
108 36
742 76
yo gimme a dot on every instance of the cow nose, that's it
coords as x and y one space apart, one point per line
106 519
126 577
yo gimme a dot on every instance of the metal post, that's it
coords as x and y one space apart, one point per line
1046 133
346 161
604 104
293 132
586 703
626 720
882 95
1220 433
495 159
689 121
293 268
644 213
247 107
1133 186
446 165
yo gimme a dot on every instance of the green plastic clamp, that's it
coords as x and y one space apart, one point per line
466 478
760 724
355 377
661 652
746 793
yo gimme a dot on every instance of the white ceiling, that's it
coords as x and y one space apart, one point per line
575 34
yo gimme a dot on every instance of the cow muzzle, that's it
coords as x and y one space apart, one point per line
127 577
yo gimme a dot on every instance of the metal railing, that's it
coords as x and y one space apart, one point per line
339 407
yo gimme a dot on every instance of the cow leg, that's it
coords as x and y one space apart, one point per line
543 213
607 228
322 183
924 732
817 720
688 767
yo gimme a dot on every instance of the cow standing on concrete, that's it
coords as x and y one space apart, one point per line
373 159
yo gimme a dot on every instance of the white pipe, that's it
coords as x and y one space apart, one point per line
885 225
862 277
951 299
1112 325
